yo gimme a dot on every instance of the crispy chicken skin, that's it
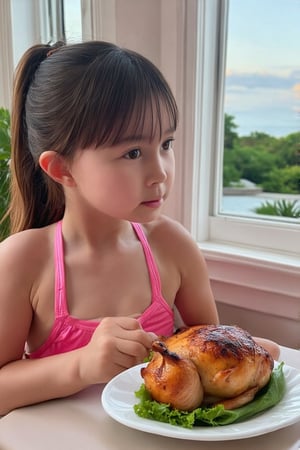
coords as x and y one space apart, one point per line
172 379
230 366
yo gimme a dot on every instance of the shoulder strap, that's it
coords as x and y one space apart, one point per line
60 291
152 267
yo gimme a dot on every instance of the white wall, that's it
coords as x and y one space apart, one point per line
157 29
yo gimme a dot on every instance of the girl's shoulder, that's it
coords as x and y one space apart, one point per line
166 227
27 249
169 236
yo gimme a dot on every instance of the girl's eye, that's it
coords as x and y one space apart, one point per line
167 145
133 154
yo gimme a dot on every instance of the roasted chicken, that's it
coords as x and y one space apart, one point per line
207 365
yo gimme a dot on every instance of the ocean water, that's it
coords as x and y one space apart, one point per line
244 205
277 123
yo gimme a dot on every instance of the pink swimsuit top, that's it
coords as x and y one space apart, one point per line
69 333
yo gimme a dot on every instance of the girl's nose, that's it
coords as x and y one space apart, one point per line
158 171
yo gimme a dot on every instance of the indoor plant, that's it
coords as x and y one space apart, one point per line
5 146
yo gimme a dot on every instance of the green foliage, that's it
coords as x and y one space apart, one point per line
252 163
284 208
258 139
285 181
272 163
229 132
5 145
230 175
273 182
288 150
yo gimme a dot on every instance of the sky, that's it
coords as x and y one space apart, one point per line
263 66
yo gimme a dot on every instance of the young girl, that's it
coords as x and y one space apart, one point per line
92 270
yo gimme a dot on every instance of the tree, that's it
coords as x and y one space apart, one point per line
230 135
273 163
287 150
285 180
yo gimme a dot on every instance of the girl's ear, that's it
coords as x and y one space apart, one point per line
56 168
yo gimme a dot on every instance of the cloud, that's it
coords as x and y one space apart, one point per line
257 80
266 101
296 90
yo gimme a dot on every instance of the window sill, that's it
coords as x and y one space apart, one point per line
262 281
272 260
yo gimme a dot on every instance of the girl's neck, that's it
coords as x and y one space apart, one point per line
103 232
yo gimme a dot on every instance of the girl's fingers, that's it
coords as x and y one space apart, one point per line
117 344
126 328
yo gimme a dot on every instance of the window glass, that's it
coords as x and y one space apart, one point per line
261 160
60 20
72 20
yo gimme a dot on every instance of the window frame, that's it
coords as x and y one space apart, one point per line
255 238
6 54
248 276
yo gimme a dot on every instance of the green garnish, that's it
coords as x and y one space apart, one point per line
149 357
268 397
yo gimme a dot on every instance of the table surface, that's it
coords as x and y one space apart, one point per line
79 422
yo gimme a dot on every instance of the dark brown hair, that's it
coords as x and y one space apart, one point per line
74 96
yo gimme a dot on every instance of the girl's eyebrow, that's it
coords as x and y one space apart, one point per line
141 137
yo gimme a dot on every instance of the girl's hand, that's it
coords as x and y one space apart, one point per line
117 344
271 346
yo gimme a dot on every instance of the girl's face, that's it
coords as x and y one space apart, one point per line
130 180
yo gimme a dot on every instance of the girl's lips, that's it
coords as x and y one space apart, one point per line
153 203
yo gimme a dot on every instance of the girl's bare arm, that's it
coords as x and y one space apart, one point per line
194 298
117 343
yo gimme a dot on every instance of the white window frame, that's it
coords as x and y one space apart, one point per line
260 239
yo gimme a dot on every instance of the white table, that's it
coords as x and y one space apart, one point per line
80 423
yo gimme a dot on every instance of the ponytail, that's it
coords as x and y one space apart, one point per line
32 194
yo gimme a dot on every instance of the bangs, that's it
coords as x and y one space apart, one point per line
135 99
136 117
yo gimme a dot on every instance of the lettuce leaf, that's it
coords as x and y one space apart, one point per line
268 397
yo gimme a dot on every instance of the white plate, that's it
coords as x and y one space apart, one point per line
118 399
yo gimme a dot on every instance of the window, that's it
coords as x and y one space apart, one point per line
43 21
261 166
244 232
72 20
61 20
27 22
